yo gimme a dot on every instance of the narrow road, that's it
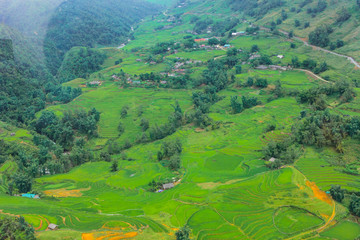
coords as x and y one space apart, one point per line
352 60
312 74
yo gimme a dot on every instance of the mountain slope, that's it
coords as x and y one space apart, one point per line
90 23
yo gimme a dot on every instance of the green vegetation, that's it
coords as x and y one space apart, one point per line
15 228
88 23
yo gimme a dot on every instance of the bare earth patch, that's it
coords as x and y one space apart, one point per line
63 192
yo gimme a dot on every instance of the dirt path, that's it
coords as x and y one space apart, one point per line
216 58
312 74
352 60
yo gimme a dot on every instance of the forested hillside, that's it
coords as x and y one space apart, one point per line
91 23
332 24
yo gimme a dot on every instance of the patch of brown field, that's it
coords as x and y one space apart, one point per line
270 87
198 130
318 193
212 185
259 106
64 220
325 216
63 192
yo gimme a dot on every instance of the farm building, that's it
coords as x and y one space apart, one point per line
254 56
53 227
95 83
261 67
280 56
272 159
167 186
201 40
28 195
241 33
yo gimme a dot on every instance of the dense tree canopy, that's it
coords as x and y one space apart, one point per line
88 23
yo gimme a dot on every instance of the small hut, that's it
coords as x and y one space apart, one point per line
53 227
167 186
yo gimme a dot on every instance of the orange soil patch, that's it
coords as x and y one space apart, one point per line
108 236
318 193
87 236
198 130
63 192
301 187
325 216
40 226
9 214
119 228
64 220
125 236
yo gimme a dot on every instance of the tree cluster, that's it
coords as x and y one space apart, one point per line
170 153
15 228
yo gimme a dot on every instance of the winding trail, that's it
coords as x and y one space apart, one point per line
352 60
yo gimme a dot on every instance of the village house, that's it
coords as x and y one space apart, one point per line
95 83
261 67
181 71
28 195
201 40
276 67
241 33
254 56
168 186
179 64
115 77
53 227
138 60
280 56
272 159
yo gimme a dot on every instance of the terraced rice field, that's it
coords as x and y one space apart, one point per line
325 175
